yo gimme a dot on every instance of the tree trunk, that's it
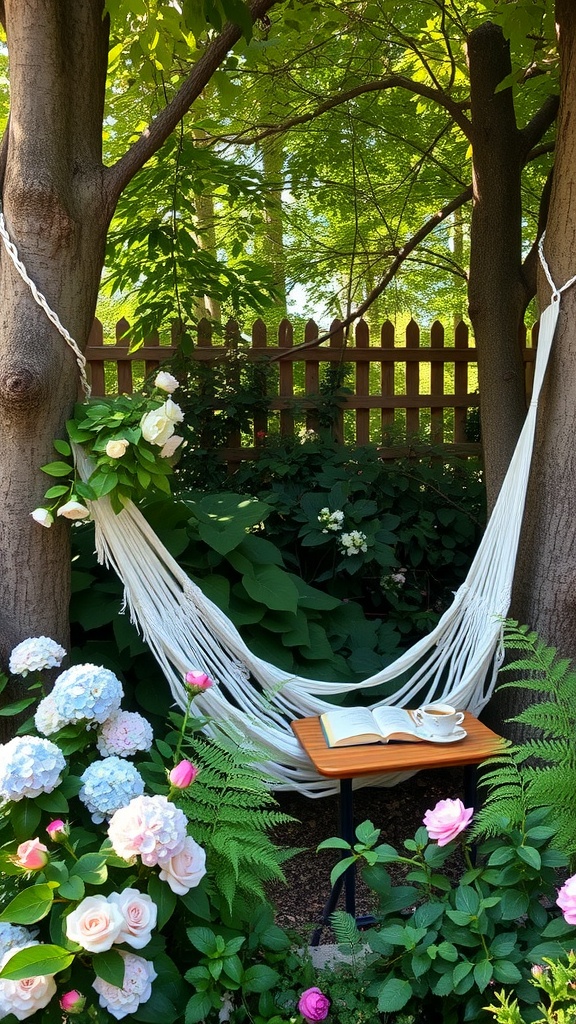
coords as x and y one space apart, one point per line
57 216
497 298
545 582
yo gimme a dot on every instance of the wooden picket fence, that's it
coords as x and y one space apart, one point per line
398 384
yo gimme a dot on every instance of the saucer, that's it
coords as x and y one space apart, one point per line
458 734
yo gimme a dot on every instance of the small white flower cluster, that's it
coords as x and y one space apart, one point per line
109 785
331 521
395 580
35 654
29 766
83 693
124 733
307 435
353 543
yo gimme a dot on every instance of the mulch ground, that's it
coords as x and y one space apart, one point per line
397 811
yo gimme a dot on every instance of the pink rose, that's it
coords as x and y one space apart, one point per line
95 924
198 681
32 855
447 820
72 1002
567 900
313 1004
58 830
183 775
185 870
139 916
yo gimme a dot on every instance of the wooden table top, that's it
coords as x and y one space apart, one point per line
351 762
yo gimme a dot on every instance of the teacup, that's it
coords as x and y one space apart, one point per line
438 719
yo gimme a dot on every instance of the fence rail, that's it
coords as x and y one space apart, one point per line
396 382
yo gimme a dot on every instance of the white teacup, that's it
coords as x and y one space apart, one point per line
438 719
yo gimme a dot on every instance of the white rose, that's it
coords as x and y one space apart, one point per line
166 382
185 869
95 924
73 510
23 998
173 411
156 426
42 516
171 445
139 914
116 449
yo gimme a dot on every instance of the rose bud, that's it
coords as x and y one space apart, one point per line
72 1002
197 682
183 775
32 855
58 830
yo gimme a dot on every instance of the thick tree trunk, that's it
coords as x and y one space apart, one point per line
497 296
57 216
545 582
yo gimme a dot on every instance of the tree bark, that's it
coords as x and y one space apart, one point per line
55 214
545 583
496 294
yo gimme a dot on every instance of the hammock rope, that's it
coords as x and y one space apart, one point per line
253 700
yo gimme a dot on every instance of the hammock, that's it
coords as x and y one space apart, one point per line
256 701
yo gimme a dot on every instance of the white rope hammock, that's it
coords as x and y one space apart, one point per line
252 699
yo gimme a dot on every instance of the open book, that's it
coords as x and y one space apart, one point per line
347 727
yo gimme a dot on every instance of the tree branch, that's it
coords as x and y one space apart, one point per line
456 110
538 126
422 233
153 137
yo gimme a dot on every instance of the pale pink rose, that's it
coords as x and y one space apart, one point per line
186 869
116 449
95 924
42 516
166 382
447 820
183 775
139 914
73 510
72 1002
32 855
567 900
137 988
150 827
23 998
171 445
313 1004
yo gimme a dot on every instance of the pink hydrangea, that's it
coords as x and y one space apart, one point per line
567 900
124 734
313 1005
137 987
150 827
447 820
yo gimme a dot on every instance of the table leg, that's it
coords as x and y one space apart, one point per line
347 881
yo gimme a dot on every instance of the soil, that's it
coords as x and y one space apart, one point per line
397 811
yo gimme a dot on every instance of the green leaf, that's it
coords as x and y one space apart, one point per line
91 868
72 889
530 856
110 967
62 447
53 803
197 1008
483 974
163 897
25 817
203 939
467 899
393 995
503 944
558 926
57 469
30 905
272 587
16 707
259 978
513 904
507 972
35 960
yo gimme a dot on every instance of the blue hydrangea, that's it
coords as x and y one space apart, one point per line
109 785
86 693
29 766
13 936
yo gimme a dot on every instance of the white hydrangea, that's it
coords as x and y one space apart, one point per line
86 693
331 520
34 655
109 785
29 766
150 827
353 543
137 987
13 935
46 718
124 734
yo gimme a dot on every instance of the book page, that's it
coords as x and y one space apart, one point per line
392 720
352 724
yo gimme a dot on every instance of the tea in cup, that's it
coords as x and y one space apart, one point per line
438 719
